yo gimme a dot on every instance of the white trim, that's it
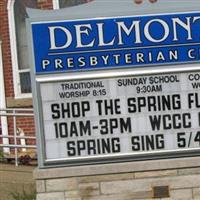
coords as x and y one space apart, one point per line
11 23
13 48
4 122
55 4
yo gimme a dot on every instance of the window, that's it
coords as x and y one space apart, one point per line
18 41
19 47
67 3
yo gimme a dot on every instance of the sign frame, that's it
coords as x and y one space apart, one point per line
110 158
37 80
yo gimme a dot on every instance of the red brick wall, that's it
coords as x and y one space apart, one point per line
4 36
45 4
26 124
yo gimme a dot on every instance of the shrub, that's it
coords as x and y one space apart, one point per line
1 155
24 195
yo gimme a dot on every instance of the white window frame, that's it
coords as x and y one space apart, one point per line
55 4
14 57
3 119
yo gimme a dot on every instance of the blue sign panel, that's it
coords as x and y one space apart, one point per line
138 41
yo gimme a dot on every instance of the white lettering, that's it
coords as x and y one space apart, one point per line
93 60
191 54
128 59
81 61
52 30
147 30
45 63
122 26
186 26
173 55
105 59
101 36
160 56
116 57
80 31
58 64
140 57
70 62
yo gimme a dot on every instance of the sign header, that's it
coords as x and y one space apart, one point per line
116 42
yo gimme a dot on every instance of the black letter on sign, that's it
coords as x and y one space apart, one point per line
55 111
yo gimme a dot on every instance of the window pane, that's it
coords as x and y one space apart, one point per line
22 43
20 17
67 3
25 82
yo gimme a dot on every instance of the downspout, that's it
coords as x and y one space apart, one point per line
4 122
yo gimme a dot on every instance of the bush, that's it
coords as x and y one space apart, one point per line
24 195
1 155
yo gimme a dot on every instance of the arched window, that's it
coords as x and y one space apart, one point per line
18 41
19 47
67 3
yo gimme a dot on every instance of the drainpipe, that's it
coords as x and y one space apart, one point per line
4 122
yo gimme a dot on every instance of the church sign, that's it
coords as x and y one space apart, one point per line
116 89
132 41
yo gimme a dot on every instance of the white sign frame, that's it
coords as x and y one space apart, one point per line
118 157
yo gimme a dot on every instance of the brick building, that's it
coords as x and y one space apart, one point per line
15 80
173 178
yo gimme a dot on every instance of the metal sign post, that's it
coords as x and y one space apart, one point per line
117 86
